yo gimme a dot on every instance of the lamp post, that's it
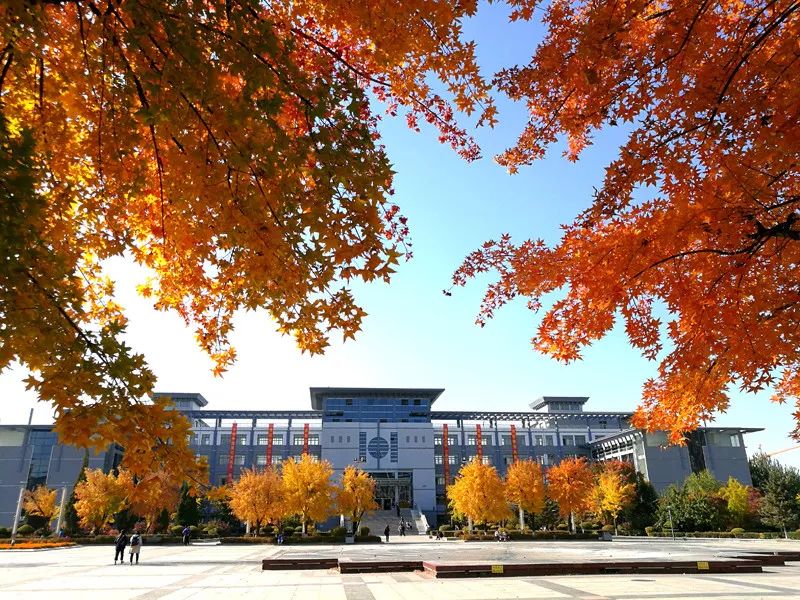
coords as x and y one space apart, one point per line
671 526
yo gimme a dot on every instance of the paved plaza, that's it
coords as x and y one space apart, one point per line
174 572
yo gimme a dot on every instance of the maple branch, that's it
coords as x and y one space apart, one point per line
7 64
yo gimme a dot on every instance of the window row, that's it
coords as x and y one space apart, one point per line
262 439
261 460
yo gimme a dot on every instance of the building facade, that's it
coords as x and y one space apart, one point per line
412 450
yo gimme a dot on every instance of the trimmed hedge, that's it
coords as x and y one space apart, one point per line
747 535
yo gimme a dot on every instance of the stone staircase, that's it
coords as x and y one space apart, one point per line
377 520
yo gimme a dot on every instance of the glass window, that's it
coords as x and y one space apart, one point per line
567 440
241 439
580 439
548 440
539 440
348 439
277 440
408 439
262 439
508 460
438 459
440 481
471 439
415 440
276 460
261 460
313 440
340 439
656 438
206 439
451 460
404 402
423 439
417 402
486 440
487 460
735 440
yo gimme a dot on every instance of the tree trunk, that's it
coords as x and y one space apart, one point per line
469 524
521 519
572 522
615 525
304 525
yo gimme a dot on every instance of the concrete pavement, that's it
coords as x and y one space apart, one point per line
177 572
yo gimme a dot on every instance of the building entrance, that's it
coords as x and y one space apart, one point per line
392 489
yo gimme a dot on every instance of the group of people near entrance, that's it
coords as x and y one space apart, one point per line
135 541
402 527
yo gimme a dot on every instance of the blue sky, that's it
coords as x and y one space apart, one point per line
414 335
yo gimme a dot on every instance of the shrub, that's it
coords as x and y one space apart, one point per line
176 529
737 531
363 531
649 530
338 531
194 529
444 528
586 525
607 528
298 529
288 533
5 532
25 530
212 532
562 526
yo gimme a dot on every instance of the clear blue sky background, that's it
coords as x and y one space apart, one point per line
414 335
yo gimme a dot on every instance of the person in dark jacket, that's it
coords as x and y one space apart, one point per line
386 532
186 534
119 547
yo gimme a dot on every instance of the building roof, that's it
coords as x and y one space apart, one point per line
628 433
318 393
193 396
545 400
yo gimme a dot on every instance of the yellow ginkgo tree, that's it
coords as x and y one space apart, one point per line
40 502
356 494
308 489
257 497
478 494
525 488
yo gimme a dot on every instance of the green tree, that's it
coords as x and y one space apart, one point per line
642 511
702 483
71 519
778 507
162 521
760 466
188 508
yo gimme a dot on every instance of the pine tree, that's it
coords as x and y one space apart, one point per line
71 520
188 510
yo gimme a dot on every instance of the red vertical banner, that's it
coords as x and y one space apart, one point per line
232 453
305 438
446 455
478 442
270 429
514 453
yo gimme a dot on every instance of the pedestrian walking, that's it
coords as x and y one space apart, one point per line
186 535
136 545
386 533
402 528
119 547
408 525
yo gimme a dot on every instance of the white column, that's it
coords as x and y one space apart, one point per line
17 514
61 510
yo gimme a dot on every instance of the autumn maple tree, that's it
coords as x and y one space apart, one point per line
226 146
356 494
524 486
257 497
478 493
570 484
100 496
41 502
308 489
693 238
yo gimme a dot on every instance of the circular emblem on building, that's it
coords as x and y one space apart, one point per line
378 447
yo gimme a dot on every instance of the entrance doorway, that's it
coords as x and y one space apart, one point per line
393 489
